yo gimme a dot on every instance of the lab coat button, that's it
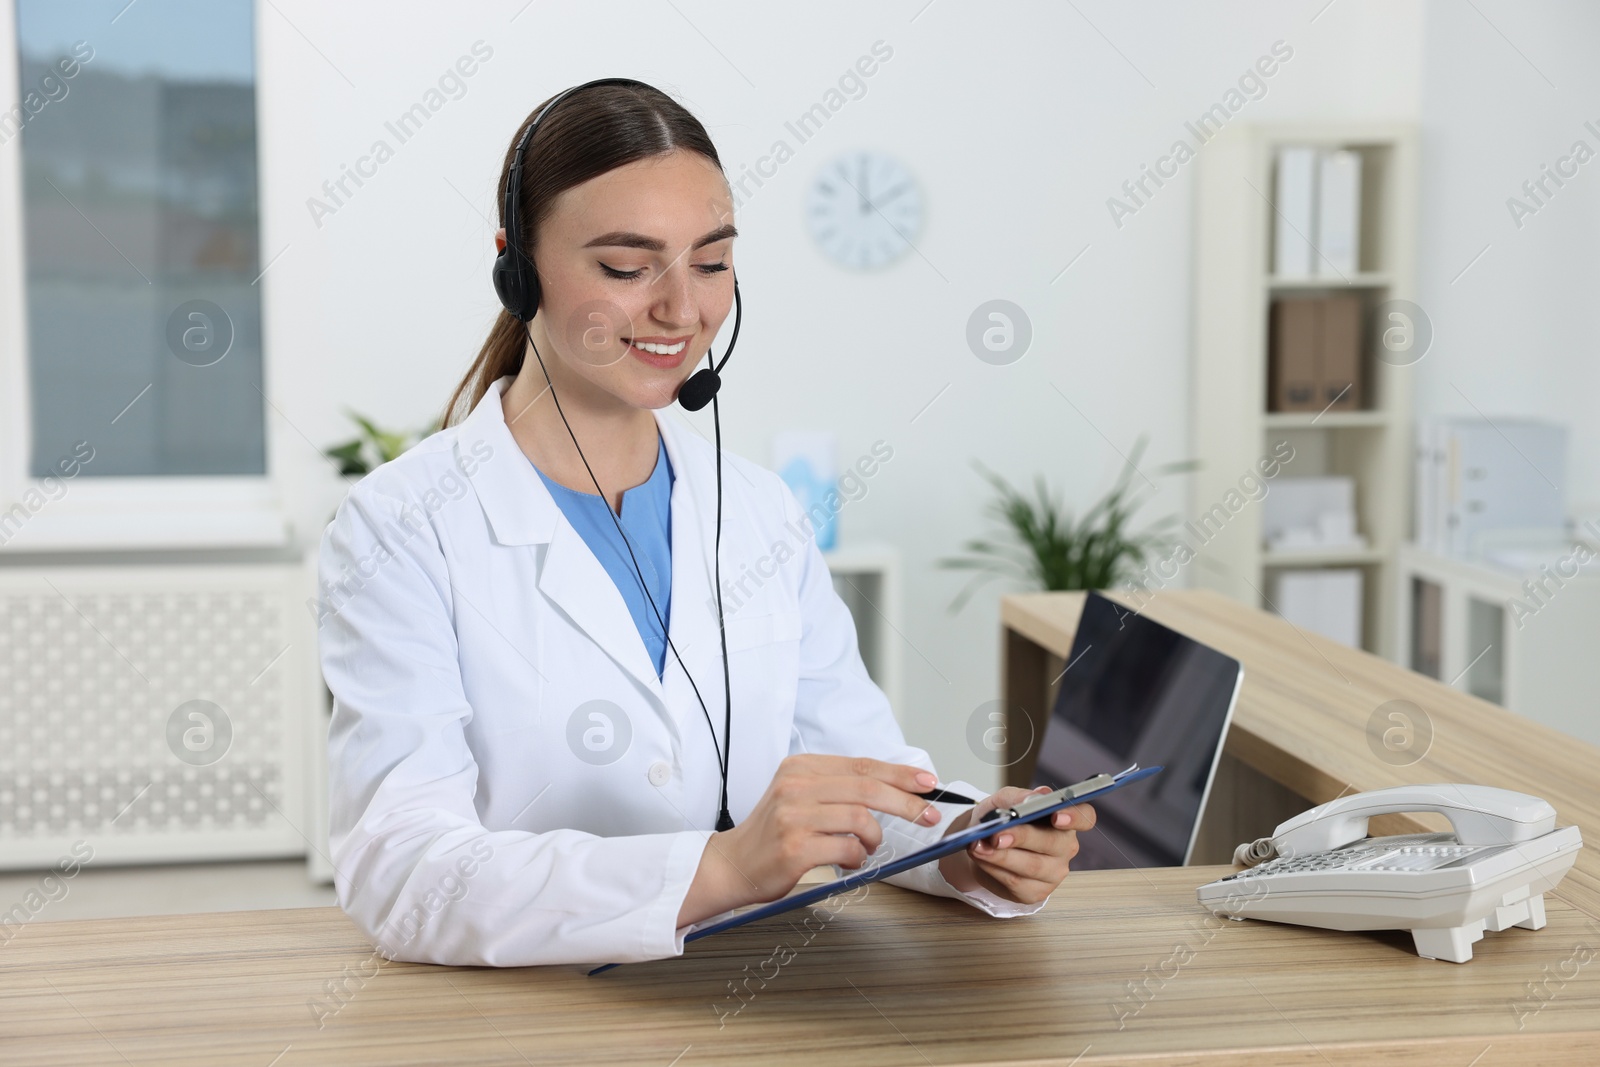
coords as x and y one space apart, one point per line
659 773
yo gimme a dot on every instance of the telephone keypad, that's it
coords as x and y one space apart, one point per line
1387 857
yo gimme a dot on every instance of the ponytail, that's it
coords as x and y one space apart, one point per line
502 354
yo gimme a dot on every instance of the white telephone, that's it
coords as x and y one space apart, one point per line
1321 869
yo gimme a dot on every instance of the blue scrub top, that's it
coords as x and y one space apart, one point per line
647 518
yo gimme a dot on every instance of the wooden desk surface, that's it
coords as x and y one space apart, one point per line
1305 718
1120 966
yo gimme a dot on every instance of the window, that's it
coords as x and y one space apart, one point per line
136 132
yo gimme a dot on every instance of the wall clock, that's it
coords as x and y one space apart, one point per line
864 210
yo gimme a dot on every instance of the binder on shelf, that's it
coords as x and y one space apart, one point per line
1338 214
1426 502
1476 476
1294 196
1317 222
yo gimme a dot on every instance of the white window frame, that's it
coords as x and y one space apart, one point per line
111 513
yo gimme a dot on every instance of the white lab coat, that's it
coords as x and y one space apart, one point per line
479 814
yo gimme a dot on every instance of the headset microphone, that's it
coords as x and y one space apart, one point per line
702 386
517 285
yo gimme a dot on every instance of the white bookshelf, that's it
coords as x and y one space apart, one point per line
1234 290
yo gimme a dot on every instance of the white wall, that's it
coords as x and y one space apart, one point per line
1020 120
1506 91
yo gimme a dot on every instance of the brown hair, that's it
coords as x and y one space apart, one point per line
590 133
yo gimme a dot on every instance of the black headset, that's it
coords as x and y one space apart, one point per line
517 284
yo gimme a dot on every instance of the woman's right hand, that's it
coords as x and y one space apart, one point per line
816 811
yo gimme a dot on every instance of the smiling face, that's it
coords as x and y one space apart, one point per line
636 272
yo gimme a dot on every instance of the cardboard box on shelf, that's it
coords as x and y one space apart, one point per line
1292 365
1314 357
1339 355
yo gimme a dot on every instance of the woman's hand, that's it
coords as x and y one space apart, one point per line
1023 864
817 811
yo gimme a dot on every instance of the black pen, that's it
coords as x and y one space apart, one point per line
945 797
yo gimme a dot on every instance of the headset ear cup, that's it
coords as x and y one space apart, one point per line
517 287
506 285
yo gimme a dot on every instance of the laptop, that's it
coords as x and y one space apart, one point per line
1135 691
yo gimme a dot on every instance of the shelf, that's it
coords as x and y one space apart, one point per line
1235 287
1317 557
1360 280
1332 420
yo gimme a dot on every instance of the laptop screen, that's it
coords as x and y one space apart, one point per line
1134 691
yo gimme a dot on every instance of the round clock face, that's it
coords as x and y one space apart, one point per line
864 210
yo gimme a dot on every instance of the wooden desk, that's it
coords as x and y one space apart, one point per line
894 978
1121 967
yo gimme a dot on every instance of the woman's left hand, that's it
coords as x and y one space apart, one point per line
1023 864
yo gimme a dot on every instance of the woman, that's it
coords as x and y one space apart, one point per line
525 760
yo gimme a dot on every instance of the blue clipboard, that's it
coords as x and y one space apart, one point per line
1035 808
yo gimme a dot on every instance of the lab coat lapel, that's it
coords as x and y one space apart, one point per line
693 622
575 580
521 511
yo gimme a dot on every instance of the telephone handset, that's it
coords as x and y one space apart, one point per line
1321 869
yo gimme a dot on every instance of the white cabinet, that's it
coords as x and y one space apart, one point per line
1528 641
867 578
156 712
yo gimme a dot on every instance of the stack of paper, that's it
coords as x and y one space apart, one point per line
1311 513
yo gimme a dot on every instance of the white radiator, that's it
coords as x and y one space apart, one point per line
158 713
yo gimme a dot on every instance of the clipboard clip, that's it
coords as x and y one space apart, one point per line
1040 801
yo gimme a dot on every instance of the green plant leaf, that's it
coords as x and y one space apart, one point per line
349 457
1047 547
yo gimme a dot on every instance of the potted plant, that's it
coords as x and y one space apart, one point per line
1045 547
370 447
